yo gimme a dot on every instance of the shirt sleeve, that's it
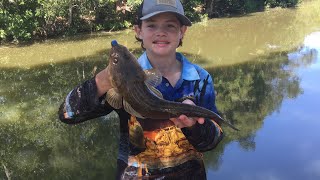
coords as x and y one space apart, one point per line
204 137
207 136
82 104
205 94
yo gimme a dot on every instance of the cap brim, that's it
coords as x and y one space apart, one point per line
183 19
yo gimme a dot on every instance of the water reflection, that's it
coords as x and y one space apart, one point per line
309 52
256 95
35 144
249 92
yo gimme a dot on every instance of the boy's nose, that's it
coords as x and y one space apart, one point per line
161 31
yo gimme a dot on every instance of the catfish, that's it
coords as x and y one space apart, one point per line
134 90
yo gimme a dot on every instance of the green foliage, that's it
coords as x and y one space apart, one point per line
217 8
109 18
253 5
24 20
19 19
282 3
224 8
2 34
193 9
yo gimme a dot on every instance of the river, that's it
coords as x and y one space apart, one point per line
265 67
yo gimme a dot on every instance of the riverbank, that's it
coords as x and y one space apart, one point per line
35 21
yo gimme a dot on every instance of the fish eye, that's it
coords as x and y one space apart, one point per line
115 61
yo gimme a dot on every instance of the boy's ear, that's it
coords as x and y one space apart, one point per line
183 31
137 30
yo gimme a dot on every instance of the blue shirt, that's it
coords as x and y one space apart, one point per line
195 83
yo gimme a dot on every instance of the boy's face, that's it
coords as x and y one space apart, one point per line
161 34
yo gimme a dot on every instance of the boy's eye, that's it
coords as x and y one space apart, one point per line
171 26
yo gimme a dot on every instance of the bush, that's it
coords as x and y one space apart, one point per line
253 5
218 8
282 3
19 19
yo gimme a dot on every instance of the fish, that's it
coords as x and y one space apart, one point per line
134 90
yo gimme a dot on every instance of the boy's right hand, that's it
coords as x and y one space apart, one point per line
103 81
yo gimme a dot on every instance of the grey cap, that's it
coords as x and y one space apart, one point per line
153 7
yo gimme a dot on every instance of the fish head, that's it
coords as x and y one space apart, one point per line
123 66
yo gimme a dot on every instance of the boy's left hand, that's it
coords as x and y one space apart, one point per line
184 121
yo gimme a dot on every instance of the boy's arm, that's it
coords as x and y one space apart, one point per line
205 136
86 101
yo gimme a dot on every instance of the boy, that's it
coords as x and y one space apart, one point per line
168 148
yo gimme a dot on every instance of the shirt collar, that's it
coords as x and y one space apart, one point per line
189 72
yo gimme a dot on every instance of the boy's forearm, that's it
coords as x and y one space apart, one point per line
204 137
82 104
102 82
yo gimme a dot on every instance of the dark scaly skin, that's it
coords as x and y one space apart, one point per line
128 78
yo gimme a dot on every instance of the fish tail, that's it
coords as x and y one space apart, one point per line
196 111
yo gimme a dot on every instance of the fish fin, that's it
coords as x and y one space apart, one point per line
136 136
154 91
130 110
114 98
153 77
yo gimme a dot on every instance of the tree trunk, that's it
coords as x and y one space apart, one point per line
6 171
70 13
211 8
72 5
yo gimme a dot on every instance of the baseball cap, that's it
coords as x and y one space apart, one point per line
153 7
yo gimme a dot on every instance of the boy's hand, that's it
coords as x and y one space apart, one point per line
103 81
184 121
